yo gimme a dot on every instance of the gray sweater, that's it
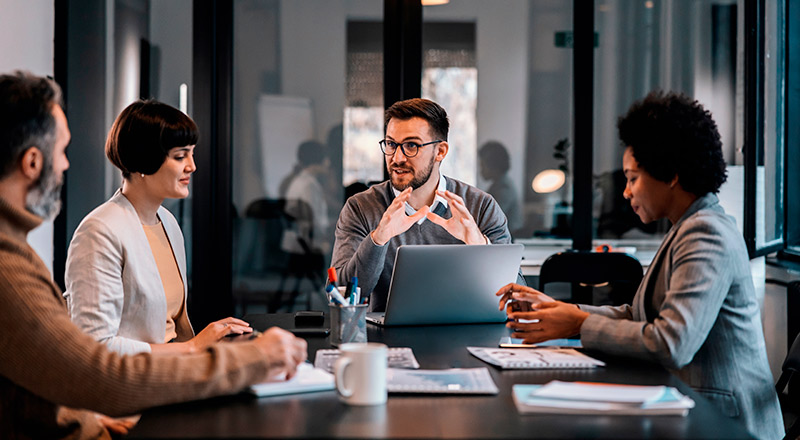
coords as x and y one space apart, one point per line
355 254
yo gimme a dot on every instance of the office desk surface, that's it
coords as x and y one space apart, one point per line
321 415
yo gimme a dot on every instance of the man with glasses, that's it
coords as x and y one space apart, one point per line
417 205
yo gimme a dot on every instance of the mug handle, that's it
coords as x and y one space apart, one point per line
338 368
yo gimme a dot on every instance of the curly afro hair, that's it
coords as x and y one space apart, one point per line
671 134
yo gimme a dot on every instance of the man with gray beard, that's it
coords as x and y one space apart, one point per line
417 205
53 377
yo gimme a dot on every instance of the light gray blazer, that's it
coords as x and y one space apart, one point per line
113 288
696 312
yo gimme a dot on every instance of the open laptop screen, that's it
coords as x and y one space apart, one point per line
450 284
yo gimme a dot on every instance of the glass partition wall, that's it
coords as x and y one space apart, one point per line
307 117
308 112
307 77
670 45
289 96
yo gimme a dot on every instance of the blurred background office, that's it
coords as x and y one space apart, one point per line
261 77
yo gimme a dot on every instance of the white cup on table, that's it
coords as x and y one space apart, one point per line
360 373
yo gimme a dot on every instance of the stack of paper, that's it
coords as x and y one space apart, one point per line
598 398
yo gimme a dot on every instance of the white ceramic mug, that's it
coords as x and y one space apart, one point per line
360 373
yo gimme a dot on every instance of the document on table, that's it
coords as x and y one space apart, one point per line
397 357
534 358
450 381
307 379
558 397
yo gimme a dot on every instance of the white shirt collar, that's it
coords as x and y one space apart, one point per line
436 200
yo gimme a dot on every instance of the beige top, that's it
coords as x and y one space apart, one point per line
170 275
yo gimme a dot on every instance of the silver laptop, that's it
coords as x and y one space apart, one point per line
448 284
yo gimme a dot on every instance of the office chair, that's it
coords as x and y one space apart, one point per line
791 400
619 273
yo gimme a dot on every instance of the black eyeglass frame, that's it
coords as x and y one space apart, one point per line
402 146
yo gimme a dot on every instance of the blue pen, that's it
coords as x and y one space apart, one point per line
335 296
354 291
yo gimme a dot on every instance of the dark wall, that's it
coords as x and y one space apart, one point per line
86 103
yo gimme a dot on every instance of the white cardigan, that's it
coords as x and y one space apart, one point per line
113 288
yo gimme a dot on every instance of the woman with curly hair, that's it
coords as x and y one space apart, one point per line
696 311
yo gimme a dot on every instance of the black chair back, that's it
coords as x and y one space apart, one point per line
620 272
790 402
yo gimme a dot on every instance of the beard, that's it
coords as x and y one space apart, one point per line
418 180
44 199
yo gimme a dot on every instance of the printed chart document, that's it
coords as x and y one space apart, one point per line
600 398
450 381
307 379
534 358
398 357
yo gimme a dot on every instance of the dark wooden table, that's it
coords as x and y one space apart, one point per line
321 415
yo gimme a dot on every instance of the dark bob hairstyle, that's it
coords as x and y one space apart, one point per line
144 133
426 109
673 135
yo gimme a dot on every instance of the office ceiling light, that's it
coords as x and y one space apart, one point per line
548 181
434 2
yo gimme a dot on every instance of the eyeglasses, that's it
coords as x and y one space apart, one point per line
410 149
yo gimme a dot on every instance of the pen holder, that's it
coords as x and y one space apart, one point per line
348 324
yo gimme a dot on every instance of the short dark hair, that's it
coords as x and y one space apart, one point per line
426 109
495 155
26 116
310 153
670 135
143 134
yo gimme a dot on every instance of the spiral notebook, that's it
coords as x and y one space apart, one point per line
534 358
449 381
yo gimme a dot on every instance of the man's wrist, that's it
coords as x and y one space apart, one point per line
375 240
478 238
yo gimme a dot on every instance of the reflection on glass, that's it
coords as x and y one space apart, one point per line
363 160
456 89
307 115
688 47
496 69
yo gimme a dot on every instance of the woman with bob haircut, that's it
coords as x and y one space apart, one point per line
696 311
126 265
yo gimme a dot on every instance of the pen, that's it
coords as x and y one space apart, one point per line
336 297
354 299
348 289
332 276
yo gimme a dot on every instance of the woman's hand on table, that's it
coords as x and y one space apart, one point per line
546 320
218 330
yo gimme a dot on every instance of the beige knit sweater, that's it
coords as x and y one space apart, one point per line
48 366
